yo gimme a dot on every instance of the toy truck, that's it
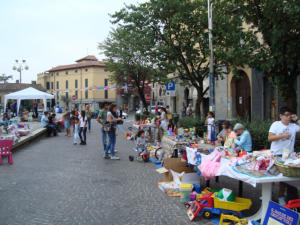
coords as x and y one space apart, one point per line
231 220
293 204
210 205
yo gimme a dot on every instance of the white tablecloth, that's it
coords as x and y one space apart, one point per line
227 170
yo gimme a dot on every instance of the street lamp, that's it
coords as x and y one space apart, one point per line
212 106
20 66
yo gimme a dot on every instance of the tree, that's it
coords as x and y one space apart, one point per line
4 78
178 30
127 57
278 55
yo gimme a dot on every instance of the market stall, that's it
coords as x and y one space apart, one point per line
236 168
28 93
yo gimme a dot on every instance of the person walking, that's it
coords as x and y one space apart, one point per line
89 117
67 122
102 119
82 127
113 119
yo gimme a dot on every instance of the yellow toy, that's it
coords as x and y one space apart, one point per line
229 220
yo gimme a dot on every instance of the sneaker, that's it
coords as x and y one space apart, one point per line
81 143
106 156
115 157
281 200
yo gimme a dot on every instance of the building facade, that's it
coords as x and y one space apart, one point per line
84 83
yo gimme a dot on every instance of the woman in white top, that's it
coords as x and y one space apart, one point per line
82 127
112 118
210 122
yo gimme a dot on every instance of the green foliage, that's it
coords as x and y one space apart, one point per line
190 122
172 37
259 130
278 57
139 116
4 78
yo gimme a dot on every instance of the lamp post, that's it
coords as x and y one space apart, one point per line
20 66
212 106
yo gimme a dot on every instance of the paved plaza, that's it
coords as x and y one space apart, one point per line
54 182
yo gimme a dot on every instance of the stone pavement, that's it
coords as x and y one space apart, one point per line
54 182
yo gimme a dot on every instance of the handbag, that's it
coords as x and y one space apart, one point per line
107 127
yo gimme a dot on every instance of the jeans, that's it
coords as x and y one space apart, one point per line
104 140
82 130
112 142
89 123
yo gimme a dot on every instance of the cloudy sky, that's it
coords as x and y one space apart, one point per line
47 33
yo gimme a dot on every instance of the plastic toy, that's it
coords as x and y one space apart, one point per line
230 219
210 205
293 204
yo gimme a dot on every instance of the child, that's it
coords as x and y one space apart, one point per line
230 136
210 122
141 141
76 131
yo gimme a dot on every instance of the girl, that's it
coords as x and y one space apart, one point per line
210 122
112 118
230 136
76 131
82 127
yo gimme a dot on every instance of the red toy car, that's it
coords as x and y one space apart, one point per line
293 204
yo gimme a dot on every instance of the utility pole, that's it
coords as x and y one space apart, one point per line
212 106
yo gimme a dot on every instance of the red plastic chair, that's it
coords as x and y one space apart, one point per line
5 149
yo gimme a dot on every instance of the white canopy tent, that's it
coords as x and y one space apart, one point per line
25 94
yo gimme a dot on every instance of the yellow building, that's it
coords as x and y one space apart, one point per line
84 83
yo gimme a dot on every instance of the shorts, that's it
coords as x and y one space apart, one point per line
67 124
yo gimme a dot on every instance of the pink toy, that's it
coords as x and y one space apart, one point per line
210 166
5 149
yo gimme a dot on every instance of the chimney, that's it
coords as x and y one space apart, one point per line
33 82
17 81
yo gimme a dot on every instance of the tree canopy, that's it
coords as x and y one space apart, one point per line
278 56
173 37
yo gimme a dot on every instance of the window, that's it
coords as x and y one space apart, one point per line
86 70
67 95
76 94
86 83
52 85
75 71
57 85
47 85
76 83
67 84
67 72
57 95
86 94
106 91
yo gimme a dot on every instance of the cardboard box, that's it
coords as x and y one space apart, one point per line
176 164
